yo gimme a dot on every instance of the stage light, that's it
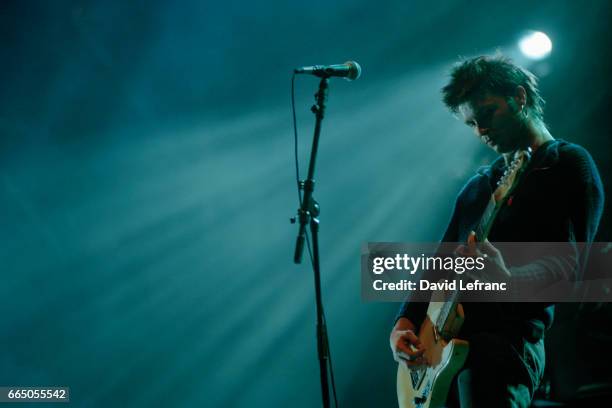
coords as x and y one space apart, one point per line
536 45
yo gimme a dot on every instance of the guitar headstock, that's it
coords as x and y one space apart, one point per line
510 177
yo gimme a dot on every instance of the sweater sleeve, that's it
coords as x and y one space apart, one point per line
586 192
585 198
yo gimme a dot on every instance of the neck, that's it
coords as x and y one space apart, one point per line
537 134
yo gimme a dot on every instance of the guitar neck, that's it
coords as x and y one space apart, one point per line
505 187
486 222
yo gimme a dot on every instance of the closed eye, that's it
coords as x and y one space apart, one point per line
484 116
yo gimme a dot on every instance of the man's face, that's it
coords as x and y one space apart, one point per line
497 121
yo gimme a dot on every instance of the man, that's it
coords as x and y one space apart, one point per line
559 199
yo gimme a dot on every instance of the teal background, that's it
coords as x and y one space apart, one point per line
147 180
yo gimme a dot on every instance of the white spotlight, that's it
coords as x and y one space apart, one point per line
535 45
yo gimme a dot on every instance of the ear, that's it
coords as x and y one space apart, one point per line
520 97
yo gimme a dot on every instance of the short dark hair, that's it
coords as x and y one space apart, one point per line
475 77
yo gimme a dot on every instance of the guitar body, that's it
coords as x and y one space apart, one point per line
445 358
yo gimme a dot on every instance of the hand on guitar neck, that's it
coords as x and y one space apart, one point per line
496 267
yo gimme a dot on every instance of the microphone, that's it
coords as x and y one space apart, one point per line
350 70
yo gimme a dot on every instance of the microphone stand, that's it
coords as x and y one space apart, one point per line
308 213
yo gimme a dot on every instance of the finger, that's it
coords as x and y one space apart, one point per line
488 248
408 351
410 359
471 243
411 338
402 349
466 251
472 238
461 250
401 356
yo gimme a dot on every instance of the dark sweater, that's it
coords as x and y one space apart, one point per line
559 199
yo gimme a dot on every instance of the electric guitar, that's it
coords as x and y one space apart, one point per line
428 387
